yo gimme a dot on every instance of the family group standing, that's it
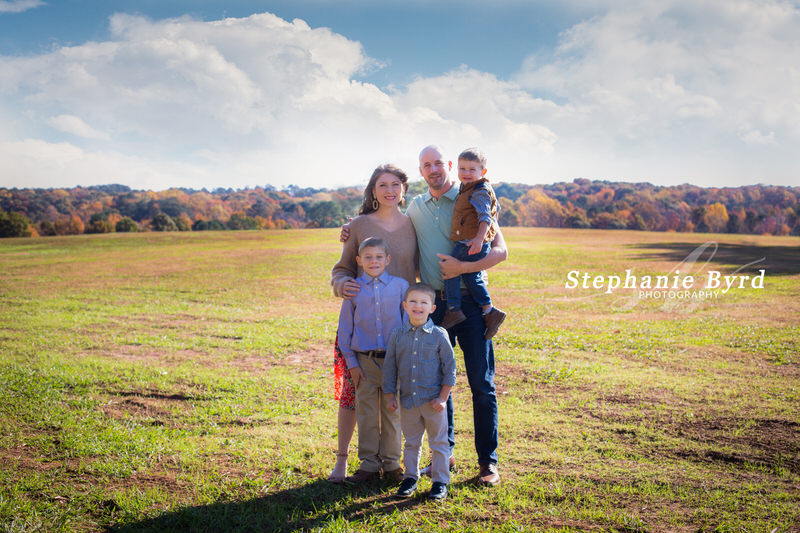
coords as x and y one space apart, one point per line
391 347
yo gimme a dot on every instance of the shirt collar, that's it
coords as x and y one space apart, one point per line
451 194
427 327
366 278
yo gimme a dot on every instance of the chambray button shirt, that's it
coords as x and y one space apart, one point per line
419 360
367 320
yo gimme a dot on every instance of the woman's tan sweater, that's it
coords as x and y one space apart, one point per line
402 244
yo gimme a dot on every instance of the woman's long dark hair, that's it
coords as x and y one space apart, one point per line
367 207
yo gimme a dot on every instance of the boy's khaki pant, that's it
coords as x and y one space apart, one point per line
378 428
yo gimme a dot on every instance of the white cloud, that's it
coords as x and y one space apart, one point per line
668 92
247 101
67 165
75 126
672 76
18 6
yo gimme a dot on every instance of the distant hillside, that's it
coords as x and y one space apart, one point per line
583 203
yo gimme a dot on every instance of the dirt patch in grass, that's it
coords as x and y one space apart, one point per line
28 458
305 361
718 437
135 353
772 443
149 409
76 472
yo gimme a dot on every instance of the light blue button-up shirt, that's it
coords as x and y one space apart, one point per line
419 360
433 220
366 321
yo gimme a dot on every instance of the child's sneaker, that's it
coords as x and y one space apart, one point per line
493 319
407 488
451 318
438 491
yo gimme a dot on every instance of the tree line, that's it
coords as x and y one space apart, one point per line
582 203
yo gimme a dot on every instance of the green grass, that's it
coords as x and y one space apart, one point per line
173 382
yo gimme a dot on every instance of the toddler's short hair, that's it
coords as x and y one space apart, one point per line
421 287
373 242
473 154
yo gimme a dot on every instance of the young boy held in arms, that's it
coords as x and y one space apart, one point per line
474 227
420 368
365 324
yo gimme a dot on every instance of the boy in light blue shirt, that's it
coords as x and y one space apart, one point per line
420 368
365 324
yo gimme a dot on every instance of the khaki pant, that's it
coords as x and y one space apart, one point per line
416 422
378 428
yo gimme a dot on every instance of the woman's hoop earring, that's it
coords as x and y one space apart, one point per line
375 204
403 200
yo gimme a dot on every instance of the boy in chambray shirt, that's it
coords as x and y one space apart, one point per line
420 367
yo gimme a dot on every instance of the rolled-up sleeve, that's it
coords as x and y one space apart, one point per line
481 200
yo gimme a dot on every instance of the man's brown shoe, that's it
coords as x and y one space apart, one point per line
395 476
493 319
362 476
451 318
488 475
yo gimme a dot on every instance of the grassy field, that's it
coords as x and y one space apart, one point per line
174 382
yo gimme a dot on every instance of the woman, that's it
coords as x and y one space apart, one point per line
379 216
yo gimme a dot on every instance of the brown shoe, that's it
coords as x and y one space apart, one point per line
427 470
493 319
395 476
488 475
362 476
451 318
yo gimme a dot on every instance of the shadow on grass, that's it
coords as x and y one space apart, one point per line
774 259
297 509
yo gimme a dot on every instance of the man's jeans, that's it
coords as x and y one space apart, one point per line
479 363
474 281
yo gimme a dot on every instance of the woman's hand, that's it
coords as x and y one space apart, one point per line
350 289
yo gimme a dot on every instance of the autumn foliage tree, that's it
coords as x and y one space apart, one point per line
580 203
538 209
69 225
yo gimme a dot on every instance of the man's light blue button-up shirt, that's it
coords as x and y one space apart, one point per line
366 321
419 360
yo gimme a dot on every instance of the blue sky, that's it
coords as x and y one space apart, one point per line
156 94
